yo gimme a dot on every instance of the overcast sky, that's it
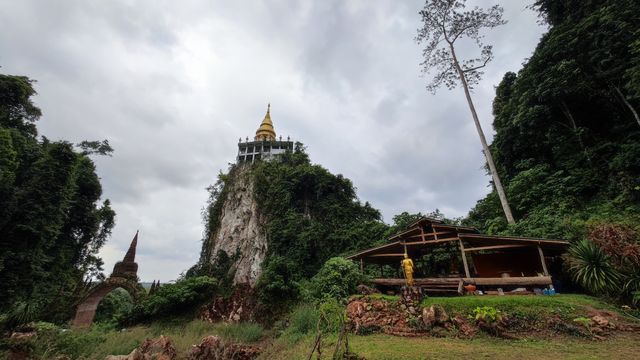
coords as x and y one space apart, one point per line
174 84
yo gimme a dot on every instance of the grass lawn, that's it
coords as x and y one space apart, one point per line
566 305
383 347
528 309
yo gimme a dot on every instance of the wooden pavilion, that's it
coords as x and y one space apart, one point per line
487 261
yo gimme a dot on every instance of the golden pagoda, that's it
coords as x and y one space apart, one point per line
264 146
266 131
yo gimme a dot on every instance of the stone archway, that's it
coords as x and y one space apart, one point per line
124 275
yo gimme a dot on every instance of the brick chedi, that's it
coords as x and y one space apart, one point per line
127 267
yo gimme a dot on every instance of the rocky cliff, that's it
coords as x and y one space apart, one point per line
240 232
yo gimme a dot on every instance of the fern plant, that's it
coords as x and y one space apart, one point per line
591 268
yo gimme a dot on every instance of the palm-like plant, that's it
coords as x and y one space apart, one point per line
632 285
591 268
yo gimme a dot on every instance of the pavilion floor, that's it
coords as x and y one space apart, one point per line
495 281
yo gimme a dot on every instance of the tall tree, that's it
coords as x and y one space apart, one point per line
51 224
444 23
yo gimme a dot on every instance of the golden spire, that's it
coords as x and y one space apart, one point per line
266 130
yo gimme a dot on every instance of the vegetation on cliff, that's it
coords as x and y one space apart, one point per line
310 216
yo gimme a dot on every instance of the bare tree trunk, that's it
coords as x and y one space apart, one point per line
569 115
485 147
624 100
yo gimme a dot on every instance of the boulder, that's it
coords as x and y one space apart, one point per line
356 308
157 349
464 327
600 320
151 349
367 290
435 315
210 348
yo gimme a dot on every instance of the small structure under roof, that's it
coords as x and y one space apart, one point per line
486 260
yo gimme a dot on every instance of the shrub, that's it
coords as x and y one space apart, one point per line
173 300
276 286
116 304
338 278
591 268
20 313
332 315
302 321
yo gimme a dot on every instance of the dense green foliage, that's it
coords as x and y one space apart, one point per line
313 214
567 142
114 306
51 225
173 300
337 279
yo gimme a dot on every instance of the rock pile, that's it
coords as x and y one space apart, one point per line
367 315
240 306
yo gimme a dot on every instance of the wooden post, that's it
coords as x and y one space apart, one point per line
464 260
544 262
361 265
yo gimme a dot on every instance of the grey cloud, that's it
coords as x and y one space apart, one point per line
173 85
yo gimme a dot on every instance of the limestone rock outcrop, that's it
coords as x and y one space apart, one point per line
241 231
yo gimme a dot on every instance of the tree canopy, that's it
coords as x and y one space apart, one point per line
567 141
51 221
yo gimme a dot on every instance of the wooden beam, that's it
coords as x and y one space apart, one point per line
432 241
362 253
455 227
514 238
453 282
527 280
434 234
385 255
495 247
464 260
544 262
